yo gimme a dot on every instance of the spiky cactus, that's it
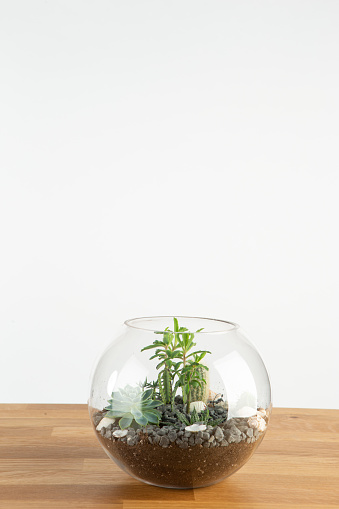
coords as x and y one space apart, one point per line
200 393
165 386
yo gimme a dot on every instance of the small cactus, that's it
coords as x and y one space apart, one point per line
201 393
165 386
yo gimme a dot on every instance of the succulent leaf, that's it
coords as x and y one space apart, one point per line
125 421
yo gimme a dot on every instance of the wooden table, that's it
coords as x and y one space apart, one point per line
50 457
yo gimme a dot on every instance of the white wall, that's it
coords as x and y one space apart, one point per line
175 157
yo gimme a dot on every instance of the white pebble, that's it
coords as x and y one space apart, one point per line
119 433
194 428
106 421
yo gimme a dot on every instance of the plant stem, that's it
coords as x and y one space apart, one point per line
188 402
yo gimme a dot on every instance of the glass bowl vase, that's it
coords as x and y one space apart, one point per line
180 402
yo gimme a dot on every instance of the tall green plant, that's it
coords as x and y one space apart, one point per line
178 362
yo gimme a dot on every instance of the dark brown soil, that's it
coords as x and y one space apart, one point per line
173 467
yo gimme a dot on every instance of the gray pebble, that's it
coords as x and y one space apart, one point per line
161 432
229 435
172 436
206 444
230 438
131 441
211 439
235 430
198 441
184 445
218 434
164 441
250 432
97 418
205 435
224 443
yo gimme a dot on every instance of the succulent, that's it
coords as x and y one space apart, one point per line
200 418
154 385
133 406
201 392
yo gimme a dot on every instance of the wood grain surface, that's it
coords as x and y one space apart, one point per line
50 457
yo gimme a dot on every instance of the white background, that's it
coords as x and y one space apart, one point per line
168 157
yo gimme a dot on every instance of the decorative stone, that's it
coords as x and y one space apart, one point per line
195 428
257 422
120 433
184 445
235 430
218 434
164 441
108 434
105 422
172 436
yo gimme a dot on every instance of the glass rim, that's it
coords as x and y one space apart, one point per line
231 325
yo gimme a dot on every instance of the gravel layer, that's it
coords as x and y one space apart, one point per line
169 455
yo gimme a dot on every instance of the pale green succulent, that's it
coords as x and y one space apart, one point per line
133 406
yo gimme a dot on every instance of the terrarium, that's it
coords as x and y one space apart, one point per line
180 402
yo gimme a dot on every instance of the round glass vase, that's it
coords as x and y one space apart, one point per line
180 402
